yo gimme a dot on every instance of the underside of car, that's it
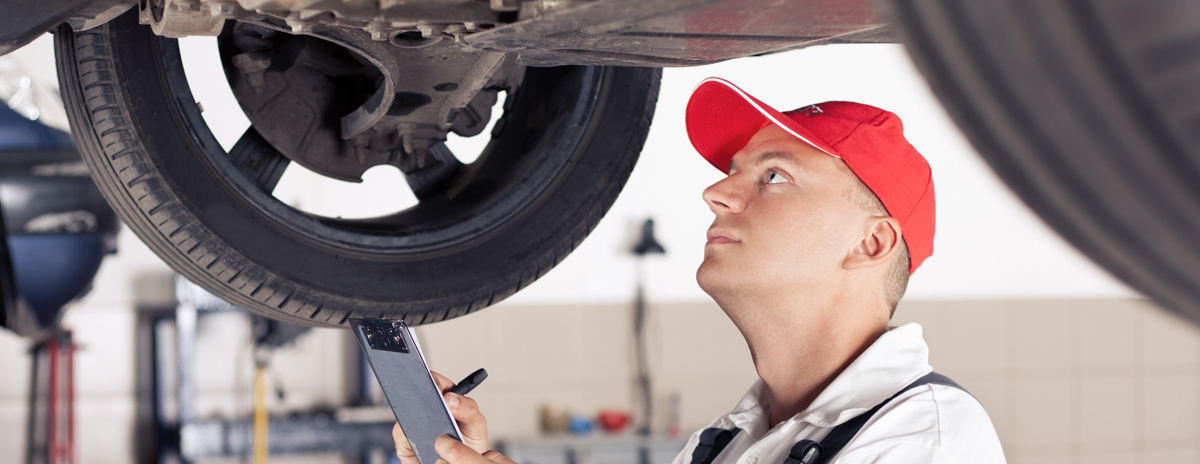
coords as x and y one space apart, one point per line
1086 108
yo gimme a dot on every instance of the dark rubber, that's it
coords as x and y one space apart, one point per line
148 159
1090 111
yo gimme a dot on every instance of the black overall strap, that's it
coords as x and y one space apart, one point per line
841 435
712 441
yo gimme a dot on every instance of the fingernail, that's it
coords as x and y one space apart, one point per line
452 400
441 461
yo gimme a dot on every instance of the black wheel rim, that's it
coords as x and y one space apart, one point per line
509 176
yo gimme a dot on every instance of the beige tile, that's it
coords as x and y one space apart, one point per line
970 336
534 346
922 312
1042 335
694 339
602 344
1042 457
1042 412
1170 410
1169 342
1170 456
1108 457
1109 334
512 415
1109 411
457 347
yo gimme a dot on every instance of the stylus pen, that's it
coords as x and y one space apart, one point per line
469 383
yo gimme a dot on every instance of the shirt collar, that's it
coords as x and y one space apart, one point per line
899 357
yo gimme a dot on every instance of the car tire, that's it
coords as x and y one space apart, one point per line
1090 111
558 157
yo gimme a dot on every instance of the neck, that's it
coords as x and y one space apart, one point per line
805 346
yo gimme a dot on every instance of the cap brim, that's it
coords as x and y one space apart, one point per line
721 119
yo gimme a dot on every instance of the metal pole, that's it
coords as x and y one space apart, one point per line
33 450
260 412
162 374
52 392
69 360
185 342
646 245
643 364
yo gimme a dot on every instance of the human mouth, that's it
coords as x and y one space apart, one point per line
718 236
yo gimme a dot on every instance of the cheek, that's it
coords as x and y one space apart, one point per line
813 235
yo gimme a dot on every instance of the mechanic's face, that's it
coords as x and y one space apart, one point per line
784 220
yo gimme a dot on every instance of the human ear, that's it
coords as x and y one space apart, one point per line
879 242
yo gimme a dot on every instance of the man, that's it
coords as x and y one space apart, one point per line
825 213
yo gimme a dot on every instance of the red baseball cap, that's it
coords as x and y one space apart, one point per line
721 119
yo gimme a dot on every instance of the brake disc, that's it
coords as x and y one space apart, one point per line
339 103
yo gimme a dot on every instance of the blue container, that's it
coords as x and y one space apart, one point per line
50 270
580 425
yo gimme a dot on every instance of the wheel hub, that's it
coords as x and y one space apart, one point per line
339 103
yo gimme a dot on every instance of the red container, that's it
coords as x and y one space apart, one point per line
613 420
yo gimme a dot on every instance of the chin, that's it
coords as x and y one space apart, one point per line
711 278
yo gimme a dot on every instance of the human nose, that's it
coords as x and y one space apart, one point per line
723 197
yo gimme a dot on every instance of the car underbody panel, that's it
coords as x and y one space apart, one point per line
541 32
383 82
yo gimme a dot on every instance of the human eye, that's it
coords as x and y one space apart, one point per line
775 178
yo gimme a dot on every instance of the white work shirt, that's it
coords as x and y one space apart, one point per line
927 424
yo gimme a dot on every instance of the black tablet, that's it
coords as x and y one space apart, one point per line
407 384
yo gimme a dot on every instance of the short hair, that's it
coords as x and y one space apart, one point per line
896 280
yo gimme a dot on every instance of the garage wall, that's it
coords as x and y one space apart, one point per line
580 358
1082 381
1065 381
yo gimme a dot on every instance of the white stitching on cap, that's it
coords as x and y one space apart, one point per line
763 112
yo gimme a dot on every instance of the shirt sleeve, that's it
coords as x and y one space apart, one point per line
935 424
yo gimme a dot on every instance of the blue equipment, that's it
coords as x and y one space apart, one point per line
57 225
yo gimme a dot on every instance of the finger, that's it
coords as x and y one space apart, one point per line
442 382
470 421
497 458
455 452
403 448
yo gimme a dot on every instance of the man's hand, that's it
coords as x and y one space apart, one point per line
465 412
453 452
